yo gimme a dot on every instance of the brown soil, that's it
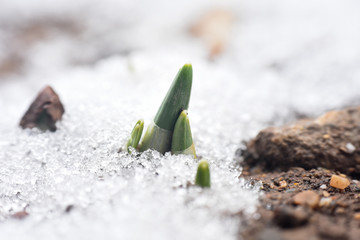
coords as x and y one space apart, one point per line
322 213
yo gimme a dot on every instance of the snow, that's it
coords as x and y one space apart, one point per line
284 58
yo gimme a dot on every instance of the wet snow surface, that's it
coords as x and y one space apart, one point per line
283 58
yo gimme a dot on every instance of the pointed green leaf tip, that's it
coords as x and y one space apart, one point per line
203 174
176 99
135 135
158 135
182 142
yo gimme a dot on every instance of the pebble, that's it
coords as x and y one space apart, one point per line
69 208
342 203
339 182
323 186
350 148
283 184
20 215
325 202
326 194
326 136
357 216
339 211
309 198
291 190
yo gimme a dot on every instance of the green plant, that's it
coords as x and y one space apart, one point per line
135 135
159 134
202 178
170 129
182 142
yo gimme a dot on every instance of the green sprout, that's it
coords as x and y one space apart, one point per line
202 178
158 136
182 142
135 135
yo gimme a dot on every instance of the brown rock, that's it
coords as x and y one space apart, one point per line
330 141
307 198
339 182
44 111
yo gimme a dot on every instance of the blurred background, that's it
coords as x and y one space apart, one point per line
256 63
315 42
291 39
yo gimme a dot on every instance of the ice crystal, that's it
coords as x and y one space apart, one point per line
283 59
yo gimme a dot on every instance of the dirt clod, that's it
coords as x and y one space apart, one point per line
331 141
288 217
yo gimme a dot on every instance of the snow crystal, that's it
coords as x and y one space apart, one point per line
284 59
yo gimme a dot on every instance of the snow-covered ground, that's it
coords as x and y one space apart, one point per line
283 57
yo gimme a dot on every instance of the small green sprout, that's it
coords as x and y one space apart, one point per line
135 135
159 134
182 142
202 178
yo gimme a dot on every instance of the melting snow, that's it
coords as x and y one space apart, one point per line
283 58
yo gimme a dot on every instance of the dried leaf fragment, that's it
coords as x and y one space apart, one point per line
44 111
